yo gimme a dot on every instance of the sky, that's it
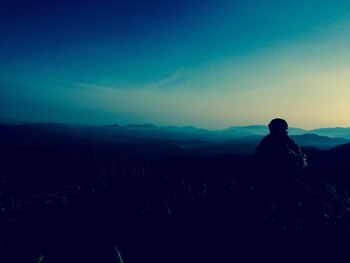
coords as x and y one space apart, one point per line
205 63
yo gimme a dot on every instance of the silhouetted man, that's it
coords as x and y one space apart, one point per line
278 157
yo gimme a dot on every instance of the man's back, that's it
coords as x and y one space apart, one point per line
276 152
277 156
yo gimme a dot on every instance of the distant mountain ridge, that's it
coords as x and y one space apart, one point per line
235 138
341 132
259 130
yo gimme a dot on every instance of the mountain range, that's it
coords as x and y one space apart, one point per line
235 139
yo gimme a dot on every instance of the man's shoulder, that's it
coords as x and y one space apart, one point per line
293 144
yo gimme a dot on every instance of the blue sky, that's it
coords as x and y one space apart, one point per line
205 63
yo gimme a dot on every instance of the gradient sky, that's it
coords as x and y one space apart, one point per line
205 63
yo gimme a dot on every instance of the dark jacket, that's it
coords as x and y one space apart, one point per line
278 156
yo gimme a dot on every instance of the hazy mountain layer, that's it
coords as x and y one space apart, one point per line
182 137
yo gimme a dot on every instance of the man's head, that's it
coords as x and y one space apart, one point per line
278 127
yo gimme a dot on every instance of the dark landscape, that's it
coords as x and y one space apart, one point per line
151 194
185 131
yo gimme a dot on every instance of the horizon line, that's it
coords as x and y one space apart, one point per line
70 124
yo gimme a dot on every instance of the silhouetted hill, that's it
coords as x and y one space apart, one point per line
322 142
341 150
47 126
90 194
34 134
338 158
